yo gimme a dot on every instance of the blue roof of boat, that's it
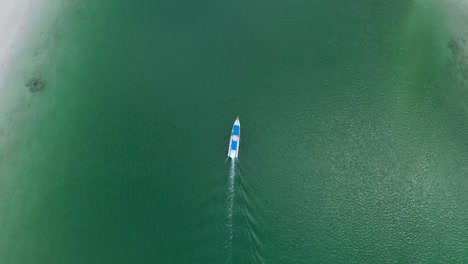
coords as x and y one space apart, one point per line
234 145
236 130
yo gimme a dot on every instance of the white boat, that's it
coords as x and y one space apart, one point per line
234 142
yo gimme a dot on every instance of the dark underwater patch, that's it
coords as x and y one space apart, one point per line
36 84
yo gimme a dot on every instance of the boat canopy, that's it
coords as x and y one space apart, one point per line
233 145
236 130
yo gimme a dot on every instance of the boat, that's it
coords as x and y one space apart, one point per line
234 141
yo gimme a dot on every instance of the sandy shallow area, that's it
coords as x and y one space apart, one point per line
14 19
17 18
456 17
449 22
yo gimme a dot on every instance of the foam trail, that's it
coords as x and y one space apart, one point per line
232 176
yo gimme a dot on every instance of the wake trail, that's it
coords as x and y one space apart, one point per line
232 177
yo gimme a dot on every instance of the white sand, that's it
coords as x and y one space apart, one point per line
14 18
17 21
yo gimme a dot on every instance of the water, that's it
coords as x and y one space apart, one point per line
353 136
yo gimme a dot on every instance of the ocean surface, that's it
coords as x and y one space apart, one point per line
354 145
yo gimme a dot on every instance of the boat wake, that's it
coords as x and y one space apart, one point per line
233 153
232 176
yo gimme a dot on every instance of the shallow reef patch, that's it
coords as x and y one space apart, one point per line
36 84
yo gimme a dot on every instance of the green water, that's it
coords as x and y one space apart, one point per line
354 144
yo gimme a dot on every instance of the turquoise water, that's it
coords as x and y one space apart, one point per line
353 137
